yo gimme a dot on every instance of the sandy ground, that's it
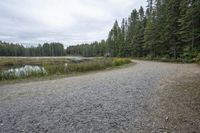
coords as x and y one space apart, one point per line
147 97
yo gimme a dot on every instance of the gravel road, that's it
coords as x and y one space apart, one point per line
120 100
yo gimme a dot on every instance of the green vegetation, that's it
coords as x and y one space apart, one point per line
120 61
98 64
17 68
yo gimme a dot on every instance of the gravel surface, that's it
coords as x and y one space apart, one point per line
120 100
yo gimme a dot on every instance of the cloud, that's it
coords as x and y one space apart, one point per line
66 21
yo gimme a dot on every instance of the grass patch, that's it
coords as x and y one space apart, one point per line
97 64
120 61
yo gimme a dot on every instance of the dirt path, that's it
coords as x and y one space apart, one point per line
133 99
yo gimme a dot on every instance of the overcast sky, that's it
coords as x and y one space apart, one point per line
67 21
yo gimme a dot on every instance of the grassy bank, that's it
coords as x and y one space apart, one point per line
50 67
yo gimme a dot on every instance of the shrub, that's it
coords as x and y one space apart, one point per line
120 61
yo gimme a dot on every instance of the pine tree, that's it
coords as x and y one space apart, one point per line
132 24
189 23
172 27
114 40
159 29
149 33
123 38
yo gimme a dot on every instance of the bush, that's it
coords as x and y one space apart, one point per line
120 61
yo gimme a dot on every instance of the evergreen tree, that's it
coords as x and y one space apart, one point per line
113 40
189 23
172 27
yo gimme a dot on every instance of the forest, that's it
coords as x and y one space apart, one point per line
47 49
165 29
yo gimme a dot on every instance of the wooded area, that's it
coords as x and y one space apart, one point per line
167 29
47 49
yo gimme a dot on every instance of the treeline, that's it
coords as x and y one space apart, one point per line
47 49
89 50
167 29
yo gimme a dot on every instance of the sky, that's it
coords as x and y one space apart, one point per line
70 22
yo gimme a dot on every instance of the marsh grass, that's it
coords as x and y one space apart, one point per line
84 66
96 64
58 66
